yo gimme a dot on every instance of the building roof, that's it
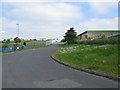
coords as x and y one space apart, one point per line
100 31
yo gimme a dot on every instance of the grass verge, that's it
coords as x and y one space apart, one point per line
101 58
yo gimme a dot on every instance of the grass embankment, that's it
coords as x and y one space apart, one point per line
102 58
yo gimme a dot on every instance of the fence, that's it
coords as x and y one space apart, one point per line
48 43
35 44
10 46
0 47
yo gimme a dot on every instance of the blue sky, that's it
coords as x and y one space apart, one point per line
53 19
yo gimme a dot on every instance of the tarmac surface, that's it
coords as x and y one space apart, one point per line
36 69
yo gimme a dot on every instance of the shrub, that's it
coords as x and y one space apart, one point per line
101 41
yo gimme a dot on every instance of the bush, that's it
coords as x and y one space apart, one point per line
5 46
101 41
63 40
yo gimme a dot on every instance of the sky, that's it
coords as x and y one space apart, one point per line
51 19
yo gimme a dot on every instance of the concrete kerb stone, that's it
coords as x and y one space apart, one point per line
87 70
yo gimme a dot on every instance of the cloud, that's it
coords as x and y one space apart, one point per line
1 34
30 0
1 31
60 0
49 20
6 23
52 12
102 7
99 24
0 22
41 20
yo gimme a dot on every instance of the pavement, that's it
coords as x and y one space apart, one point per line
36 69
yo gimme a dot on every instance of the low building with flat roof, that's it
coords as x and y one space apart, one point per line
98 34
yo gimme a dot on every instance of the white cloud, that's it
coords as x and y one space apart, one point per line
0 22
102 7
8 23
30 0
29 30
51 12
41 20
1 34
1 31
90 0
99 24
60 0
50 20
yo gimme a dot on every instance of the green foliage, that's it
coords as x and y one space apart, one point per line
63 40
5 46
70 36
101 41
17 40
102 58
22 40
5 43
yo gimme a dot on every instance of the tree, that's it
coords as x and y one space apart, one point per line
5 43
63 40
70 36
17 41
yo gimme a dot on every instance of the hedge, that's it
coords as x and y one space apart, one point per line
101 41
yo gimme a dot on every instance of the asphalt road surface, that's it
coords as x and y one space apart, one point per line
35 69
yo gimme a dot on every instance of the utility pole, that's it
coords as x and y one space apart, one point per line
17 30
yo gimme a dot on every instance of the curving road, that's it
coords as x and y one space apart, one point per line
35 69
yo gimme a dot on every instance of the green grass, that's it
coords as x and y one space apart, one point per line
102 58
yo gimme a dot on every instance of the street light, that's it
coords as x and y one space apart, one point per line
17 30
17 43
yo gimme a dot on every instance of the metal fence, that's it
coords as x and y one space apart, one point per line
38 43
35 43
28 44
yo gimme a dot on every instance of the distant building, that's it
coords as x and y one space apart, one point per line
98 34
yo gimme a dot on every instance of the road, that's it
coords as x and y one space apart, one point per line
35 69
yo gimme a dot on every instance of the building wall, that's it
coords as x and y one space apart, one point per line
93 35
98 36
84 37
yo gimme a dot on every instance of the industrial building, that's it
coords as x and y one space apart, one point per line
98 34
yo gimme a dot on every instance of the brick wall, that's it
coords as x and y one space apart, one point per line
96 35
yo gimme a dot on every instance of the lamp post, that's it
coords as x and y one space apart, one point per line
17 30
17 43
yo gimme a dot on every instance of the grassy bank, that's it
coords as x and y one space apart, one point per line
102 58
